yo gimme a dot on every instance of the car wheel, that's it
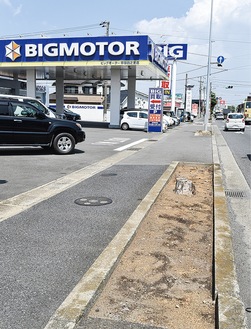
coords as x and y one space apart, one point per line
64 143
226 129
243 129
124 126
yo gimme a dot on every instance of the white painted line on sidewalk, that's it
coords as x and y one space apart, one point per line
122 148
15 205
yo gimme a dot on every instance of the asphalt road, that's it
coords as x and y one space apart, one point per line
240 145
25 168
47 248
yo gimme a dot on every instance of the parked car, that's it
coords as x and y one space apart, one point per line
68 114
235 121
186 116
137 119
22 124
72 115
219 116
171 114
134 120
30 100
176 120
169 121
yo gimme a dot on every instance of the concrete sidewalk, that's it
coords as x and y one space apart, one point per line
187 148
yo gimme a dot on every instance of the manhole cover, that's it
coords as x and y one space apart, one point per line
93 201
3 181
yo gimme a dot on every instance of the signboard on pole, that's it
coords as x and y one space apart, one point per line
166 84
220 59
189 100
155 110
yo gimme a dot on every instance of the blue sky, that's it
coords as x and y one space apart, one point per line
165 21
20 16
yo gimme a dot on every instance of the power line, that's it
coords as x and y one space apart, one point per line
97 25
55 31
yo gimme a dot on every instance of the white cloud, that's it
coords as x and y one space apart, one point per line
6 2
18 10
231 35
15 10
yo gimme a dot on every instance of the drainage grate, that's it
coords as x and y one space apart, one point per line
108 174
134 149
93 201
236 194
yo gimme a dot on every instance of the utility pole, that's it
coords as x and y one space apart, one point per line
174 74
200 92
106 24
185 100
105 101
209 70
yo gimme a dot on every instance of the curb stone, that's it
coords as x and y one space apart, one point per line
231 313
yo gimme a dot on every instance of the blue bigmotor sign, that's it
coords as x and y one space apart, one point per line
74 49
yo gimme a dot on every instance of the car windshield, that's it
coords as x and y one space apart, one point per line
132 114
143 115
235 116
248 105
38 106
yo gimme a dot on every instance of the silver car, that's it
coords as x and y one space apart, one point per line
219 116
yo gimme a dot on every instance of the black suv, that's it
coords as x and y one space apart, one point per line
24 124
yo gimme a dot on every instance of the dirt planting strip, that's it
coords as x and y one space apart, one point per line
164 278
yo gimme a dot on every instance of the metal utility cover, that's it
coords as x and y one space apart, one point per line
93 201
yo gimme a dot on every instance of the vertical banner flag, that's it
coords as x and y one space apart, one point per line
155 109
189 100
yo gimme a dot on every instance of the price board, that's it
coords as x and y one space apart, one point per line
155 109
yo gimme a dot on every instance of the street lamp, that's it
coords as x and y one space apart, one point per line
209 71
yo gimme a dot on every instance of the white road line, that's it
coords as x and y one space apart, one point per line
111 141
105 143
122 148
